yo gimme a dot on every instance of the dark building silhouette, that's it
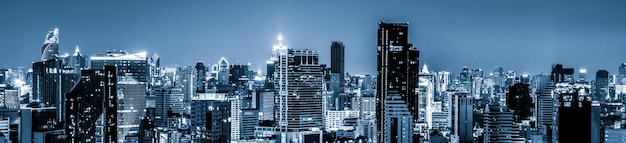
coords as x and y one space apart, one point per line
239 75
398 67
578 120
47 82
147 133
200 77
38 124
560 74
94 96
601 85
337 60
518 99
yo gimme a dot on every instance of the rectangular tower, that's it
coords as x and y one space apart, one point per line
398 66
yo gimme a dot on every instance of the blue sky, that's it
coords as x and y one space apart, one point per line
526 36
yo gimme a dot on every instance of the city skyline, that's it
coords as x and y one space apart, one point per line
302 72
449 34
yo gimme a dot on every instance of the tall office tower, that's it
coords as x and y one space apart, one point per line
298 92
465 75
185 79
267 105
131 104
518 100
47 84
426 96
500 127
545 110
51 81
575 115
133 65
209 119
162 99
622 74
463 120
398 66
93 97
337 60
560 74
200 77
154 69
601 86
50 48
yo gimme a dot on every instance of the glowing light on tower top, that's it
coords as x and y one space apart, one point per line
279 48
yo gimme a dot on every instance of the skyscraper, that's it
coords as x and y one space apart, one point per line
463 120
90 99
134 65
575 117
298 89
622 74
50 48
337 52
51 81
209 119
398 66
601 85
200 77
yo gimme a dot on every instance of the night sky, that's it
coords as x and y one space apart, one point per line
525 36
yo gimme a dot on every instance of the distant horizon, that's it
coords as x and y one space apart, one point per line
524 36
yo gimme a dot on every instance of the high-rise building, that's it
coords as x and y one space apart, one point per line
622 74
162 99
575 115
200 77
601 86
209 119
50 48
463 117
545 110
298 93
131 104
337 60
93 97
51 80
560 74
398 66
249 118
134 65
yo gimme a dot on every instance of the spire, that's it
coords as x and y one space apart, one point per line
77 52
425 69
280 44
